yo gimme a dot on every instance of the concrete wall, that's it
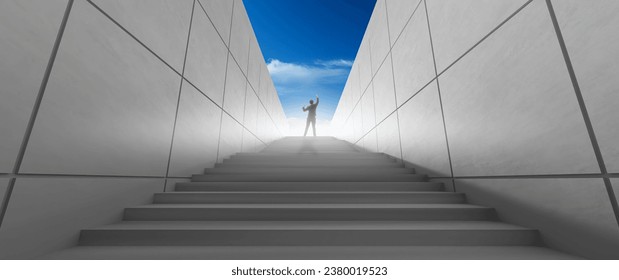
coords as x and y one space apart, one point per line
124 100
485 96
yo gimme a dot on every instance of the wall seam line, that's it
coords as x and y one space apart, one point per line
405 25
245 93
223 98
132 36
485 37
440 99
534 176
227 45
369 84
49 175
35 110
583 109
180 92
395 93
213 24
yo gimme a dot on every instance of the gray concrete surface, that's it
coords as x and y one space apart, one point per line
207 55
347 213
574 214
45 214
503 105
29 30
159 24
111 121
310 253
423 117
196 135
593 45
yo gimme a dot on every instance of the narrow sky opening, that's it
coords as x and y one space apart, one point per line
309 47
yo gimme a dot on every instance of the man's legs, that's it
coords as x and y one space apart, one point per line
306 127
314 126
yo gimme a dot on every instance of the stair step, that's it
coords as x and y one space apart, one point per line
309 253
309 186
303 177
308 212
368 233
334 163
288 197
314 171
308 155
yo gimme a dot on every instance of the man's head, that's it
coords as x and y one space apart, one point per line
311 101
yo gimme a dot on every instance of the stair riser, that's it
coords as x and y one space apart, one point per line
304 171
297 149
331 164
312 147
310 237
289 198
312 186
309 178
307 214
303 156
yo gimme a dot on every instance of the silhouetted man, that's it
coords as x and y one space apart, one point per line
311 116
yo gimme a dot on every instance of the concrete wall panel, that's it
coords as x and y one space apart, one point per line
590 33
423 137
357 123
265 77
28 30
4 184
573 215
94 118
389 136
399 13
457 25
162 25
364 64
236 87
47 214
370 141
220 13
206 58
355 87
249 142
384 94
510 109
196 135
615 185
413 45
239 40
111 106
367 106
251 110
231 140
484 103
378 35
256 60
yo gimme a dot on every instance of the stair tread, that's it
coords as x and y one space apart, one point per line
323 209
310 225
309 252
321 183
311 192
316 206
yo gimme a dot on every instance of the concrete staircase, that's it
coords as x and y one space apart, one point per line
309 198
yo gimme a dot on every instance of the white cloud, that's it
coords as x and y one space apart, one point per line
284 73
335 63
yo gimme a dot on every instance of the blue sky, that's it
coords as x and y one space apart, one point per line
309 47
